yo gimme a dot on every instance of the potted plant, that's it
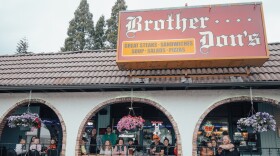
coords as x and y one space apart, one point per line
25 120
130 123
259 122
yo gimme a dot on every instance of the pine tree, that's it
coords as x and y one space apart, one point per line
81 30
99 37
22 46
112 23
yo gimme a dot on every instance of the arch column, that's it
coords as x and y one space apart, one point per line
122 100
3 119
219 103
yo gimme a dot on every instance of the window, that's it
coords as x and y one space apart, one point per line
224 119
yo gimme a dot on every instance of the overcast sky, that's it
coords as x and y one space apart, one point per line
45 22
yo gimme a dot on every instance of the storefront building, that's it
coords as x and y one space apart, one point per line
77 85
212 78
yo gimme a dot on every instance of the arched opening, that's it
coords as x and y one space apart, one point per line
53 126
119 107
223 116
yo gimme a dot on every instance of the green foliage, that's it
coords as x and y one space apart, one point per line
81 30
112 23
22 46
99 37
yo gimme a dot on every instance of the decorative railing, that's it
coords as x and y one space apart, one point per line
9 149
13 149
135 150
241 150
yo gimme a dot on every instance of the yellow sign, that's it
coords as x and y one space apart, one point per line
159 47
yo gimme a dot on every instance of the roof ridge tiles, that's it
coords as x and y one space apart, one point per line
271 43
59 59
87 51
59 53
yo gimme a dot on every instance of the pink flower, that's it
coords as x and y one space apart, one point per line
130 122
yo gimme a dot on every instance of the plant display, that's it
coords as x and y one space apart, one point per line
260 122
24 120
130 122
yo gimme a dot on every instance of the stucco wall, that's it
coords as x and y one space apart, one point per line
186 107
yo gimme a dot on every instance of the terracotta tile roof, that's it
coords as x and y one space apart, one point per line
99 67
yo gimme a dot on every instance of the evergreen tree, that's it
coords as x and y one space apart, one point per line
22 46
81 30
112 23
99 37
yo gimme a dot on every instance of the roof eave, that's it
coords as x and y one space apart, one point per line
170 86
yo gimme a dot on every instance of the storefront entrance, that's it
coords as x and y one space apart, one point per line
112 111
52 126
222 120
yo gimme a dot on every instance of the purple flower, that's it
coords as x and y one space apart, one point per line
260 122
26 119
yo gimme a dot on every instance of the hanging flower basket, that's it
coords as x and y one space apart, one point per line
259 122
130 122
25 120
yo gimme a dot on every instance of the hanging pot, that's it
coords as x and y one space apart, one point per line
24 128
250 129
